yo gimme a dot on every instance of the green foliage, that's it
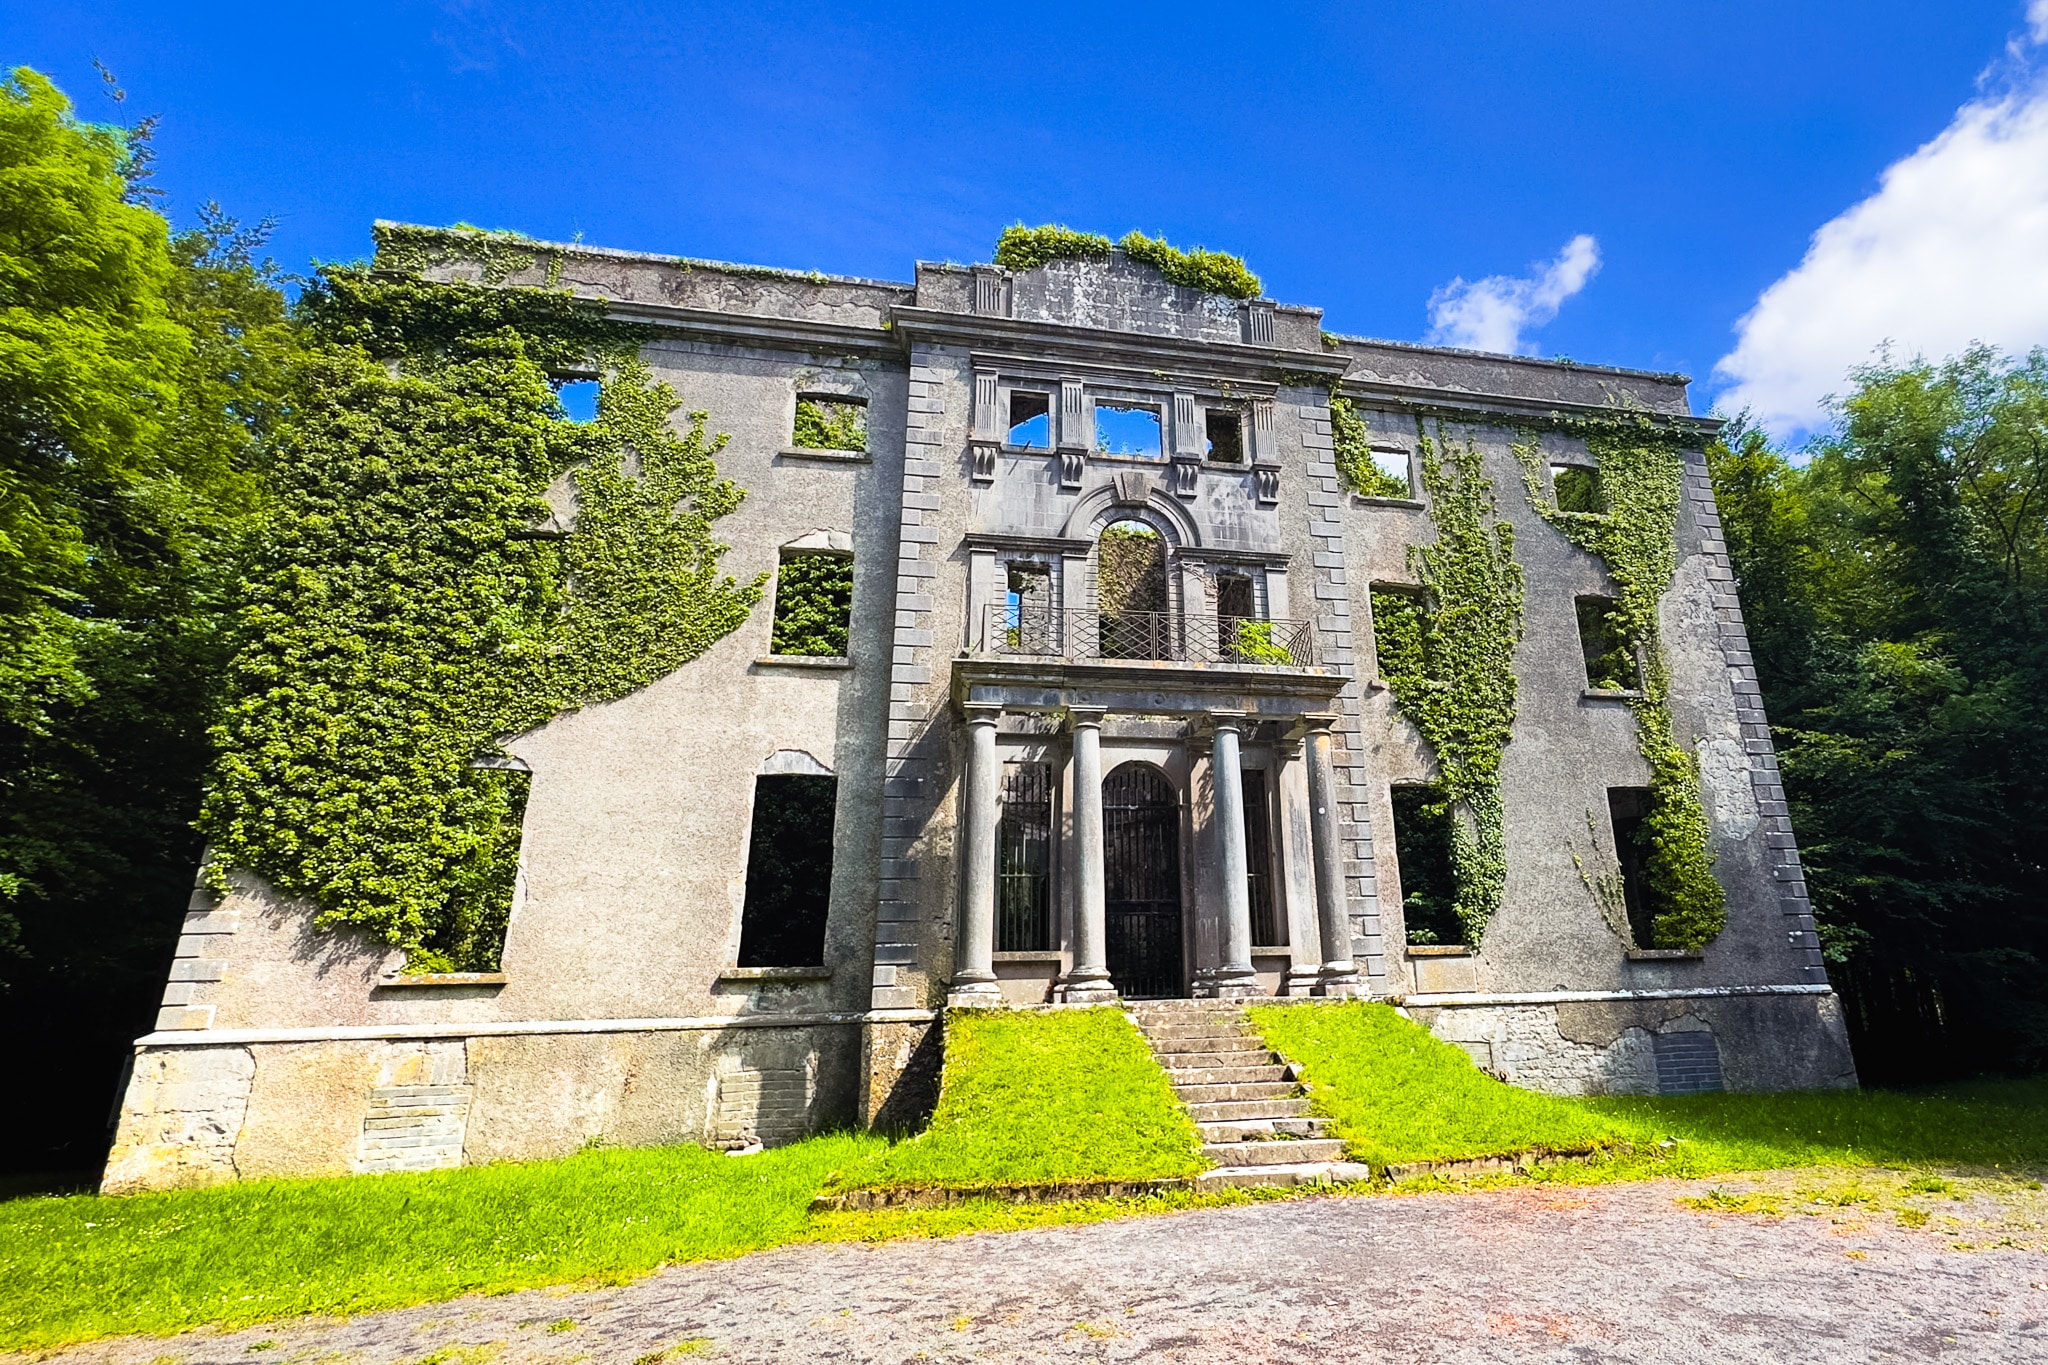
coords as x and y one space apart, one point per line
1396 1093
1042 1097
1895 587
1353 455
1253 643
1026 248
1635 534
501 254
1213 272
824 425
1448 657
1610 654
813 605
1130 570
74 1269
402 620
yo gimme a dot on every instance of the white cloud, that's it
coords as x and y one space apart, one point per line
1491 314
1951 249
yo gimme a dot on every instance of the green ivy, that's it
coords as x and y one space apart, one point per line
1354 455
824 425
1214 272
813 604
502 254
1639 485
404 618
1448 652
1253 643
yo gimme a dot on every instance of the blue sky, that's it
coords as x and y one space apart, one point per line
1362 157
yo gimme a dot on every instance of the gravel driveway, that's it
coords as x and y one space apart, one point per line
1620 1273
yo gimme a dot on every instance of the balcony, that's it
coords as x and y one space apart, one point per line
1090 635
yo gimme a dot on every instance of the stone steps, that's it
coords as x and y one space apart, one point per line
1245 1100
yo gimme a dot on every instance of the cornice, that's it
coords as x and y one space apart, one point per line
1037 342
1426 399
755 329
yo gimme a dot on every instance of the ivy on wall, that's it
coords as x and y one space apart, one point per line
813 606
1214 272
1353 455
403 617
822 424
1634 533
1447 653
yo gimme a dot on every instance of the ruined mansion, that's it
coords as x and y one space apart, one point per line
1104 717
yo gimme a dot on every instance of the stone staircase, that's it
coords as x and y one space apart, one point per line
1253 1115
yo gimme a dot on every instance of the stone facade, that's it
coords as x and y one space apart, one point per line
980 652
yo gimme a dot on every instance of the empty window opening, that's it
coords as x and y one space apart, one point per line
1130 592
1127 429
1400 628
1267 929
470 934
1422 853
1576 487
1027 610
813 605
830 422
1226 435
1030 420
789 871
1629 809
1024 860
1610 658
1392 464
578 398
1234 598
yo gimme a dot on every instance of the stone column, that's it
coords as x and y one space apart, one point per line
1234 975
1340 974
974 974
1088 980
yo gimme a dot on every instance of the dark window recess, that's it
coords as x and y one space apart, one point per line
1141 882
831 422
1577 488
1030 421
1027 607
1422 851
578 398
1629 809
789 871
1127 429
1267 930
470 936
813 604
1024 860
1226 435
1610 659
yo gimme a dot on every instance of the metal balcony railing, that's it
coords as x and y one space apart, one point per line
1085 633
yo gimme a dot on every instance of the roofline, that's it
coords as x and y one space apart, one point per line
1496 357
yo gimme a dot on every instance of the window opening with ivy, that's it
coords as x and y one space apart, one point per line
1030 420
1361 468
1024 860
1225 429
1422 854
1576 488
830 422
1128 429
789 871
813 605
1628 808
1268 931
1130 592
1610 657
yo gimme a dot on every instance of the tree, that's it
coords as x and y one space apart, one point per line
1894 588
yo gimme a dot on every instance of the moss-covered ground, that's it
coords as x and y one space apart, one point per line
1025 1100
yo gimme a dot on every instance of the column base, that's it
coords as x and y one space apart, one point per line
974 993
1340 981
1302 979
1088 986
1230 983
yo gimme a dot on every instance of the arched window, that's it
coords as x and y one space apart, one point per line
1130 592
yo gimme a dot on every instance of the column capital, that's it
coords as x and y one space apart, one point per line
1238 721
1312 722
981 712
1079 716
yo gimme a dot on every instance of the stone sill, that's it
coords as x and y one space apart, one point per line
1439 950
830 456
1612 694
1666 955
1050 955
418 980
775 974
1407 504
825 661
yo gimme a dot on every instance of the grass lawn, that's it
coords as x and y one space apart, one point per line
1039 1098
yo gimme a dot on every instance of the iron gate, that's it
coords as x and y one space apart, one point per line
1141 876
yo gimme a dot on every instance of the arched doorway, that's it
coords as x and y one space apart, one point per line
1141 882
1130 593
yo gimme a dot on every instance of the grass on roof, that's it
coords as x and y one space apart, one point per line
1038 1097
